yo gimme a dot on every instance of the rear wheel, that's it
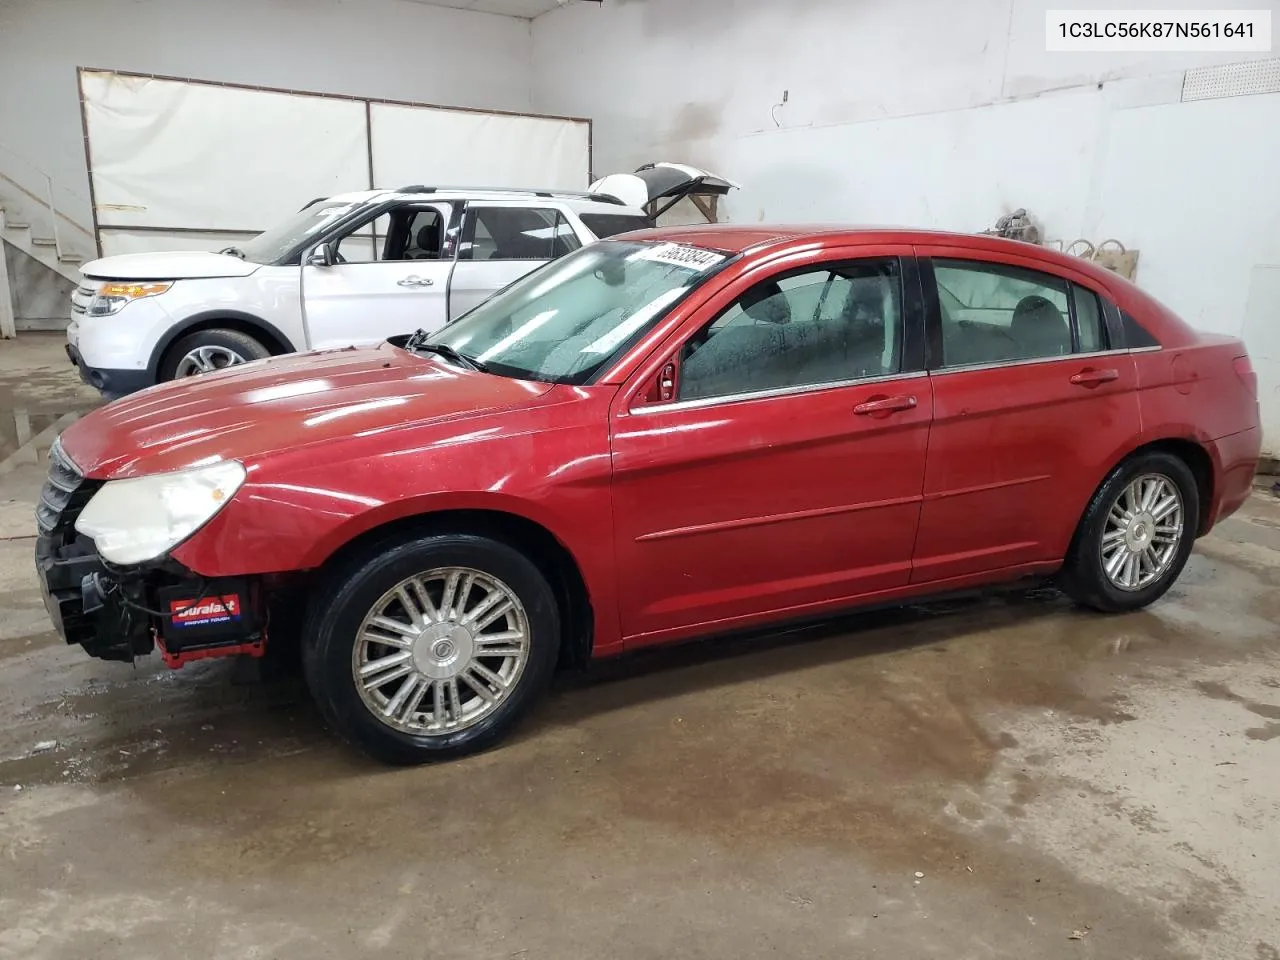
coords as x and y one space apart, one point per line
432 647
1135 536
207 351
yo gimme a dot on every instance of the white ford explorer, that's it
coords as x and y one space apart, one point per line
348 270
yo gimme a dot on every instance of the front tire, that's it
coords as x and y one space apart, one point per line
1135 536
207 351
432 647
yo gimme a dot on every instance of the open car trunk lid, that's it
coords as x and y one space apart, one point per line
657 187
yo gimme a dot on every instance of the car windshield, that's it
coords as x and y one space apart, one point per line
564 322
271 245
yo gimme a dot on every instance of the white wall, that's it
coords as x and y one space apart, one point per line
938 114
391 49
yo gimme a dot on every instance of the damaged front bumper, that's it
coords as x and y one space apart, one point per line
120 613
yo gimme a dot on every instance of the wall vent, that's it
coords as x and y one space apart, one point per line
1232 80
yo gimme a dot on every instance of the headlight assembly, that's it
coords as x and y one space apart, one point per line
131 521
114 297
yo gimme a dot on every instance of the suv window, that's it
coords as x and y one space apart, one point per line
993 313
407 233
516 233
839 322
611 224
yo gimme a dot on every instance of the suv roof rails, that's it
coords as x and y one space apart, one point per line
550 194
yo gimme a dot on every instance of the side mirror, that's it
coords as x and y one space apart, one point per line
325 255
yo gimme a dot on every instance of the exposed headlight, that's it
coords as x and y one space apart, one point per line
113 297
142 518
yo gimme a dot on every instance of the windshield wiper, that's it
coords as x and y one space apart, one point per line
234 251
418 342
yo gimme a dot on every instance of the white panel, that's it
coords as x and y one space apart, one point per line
128 241
1232 80
1262 334
176 154
454 148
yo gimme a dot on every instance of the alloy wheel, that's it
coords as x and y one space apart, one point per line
441 651
207 360
1143 530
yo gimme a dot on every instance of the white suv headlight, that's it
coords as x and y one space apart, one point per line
113 297
144 517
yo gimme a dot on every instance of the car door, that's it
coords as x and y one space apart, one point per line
775 462
1032 407
391 277
500 243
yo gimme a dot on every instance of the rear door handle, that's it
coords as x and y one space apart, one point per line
1092 378
884 405
414 281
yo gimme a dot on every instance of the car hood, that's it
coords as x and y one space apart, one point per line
283 403
178 265
656 187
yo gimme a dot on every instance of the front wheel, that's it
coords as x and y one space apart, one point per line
207 351
431 648
1135 536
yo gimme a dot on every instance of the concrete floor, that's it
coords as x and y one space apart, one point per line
1007 777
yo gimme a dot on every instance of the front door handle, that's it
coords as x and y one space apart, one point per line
415 281
1092 378
884 406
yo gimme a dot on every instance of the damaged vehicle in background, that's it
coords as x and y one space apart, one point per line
661 436
353 269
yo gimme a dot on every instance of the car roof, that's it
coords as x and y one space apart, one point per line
578 202
743 238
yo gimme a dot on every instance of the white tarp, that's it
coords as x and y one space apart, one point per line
462 148
178 155
167 153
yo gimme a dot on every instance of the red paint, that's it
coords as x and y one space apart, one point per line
174 661
690 519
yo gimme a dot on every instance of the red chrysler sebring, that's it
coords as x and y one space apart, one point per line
670 434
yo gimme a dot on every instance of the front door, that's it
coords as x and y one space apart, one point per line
1032 408
500 243
391 278
777 468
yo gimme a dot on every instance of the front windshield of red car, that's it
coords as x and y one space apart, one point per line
564 322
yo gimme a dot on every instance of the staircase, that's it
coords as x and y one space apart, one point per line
33 242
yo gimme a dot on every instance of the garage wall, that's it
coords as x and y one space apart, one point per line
378 48
931 113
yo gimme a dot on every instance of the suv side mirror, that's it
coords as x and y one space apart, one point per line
325 255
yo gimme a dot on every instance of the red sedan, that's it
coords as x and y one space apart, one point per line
670 434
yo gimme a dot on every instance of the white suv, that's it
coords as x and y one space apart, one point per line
350 269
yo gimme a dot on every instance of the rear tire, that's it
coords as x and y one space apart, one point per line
1135 536
432 647
207 351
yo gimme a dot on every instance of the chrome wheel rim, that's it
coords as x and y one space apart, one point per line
207 360
1142 533
441 651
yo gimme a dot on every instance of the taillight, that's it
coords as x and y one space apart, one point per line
1244 370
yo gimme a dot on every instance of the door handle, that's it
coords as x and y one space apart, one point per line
884 405
415 281
1092 378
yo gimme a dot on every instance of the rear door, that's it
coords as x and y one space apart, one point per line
1032 407
392 278
500 243
773 462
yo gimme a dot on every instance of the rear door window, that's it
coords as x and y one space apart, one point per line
993 313
516 233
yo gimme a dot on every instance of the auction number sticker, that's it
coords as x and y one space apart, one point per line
679 255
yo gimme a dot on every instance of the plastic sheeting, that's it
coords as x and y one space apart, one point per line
173 156
460 148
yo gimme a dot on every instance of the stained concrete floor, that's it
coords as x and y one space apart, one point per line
999 777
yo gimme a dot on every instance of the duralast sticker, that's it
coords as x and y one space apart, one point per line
210 610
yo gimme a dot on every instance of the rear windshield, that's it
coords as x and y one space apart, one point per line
564 322
611 224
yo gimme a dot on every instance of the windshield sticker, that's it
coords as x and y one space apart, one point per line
678 255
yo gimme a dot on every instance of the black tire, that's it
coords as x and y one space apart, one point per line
1084 577
349 594
241 344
